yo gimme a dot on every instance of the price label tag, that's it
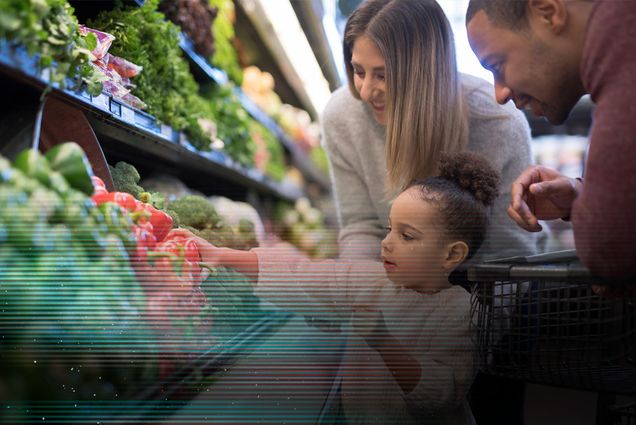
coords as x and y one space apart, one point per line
46 74
166 131
102 101
127 114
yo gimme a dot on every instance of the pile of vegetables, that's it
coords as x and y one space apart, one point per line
49 28
168 269
98 299
72 317
197 214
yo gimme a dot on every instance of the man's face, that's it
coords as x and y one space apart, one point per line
527 67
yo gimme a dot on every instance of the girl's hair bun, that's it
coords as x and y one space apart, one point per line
473 173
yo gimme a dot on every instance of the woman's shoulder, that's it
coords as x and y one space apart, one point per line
343 108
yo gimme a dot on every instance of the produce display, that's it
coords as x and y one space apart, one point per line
195 18
144 37
73 311
259 86
304 227
232 122
99 299
49 29
138 43
225 56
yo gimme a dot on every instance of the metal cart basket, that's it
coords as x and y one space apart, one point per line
624 414
538 320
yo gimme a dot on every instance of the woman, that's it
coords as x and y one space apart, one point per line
405 105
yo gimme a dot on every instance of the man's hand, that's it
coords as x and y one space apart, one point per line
541 193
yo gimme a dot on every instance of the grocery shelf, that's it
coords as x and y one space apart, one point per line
129 128
203 70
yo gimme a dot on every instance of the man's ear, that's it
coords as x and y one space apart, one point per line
456 253
550 14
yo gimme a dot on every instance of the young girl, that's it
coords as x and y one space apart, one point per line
410 357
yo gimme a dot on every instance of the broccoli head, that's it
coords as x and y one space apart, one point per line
194 211
125 178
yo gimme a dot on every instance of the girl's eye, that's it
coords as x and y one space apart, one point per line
387 228
381 77
407 237
359 73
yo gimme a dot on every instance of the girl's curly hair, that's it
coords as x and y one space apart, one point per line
464 190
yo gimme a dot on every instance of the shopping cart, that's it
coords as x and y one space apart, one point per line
538 320
623 414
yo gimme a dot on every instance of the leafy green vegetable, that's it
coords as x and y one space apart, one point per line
144 37
233 122
225 56
49 28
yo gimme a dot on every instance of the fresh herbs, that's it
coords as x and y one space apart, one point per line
144 37
49 28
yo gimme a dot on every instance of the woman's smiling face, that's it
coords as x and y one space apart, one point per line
369 76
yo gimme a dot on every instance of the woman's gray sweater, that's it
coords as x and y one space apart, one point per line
355 144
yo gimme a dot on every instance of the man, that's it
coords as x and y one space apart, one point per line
545 55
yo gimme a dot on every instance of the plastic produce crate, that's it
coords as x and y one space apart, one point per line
538 320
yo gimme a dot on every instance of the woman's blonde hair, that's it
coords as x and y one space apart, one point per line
426 109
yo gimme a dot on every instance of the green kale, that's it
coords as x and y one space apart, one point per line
145 37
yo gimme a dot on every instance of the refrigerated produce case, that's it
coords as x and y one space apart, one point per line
68 374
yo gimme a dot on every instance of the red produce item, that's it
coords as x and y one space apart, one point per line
123 67
104 40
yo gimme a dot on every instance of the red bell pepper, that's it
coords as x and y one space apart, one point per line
161 222
98 185
123 199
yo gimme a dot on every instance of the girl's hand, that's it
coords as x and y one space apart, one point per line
210 254
245 262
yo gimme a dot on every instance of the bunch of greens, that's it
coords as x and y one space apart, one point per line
233 122
144 37
49 28
225 56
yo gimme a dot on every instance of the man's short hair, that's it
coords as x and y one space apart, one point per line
511 14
